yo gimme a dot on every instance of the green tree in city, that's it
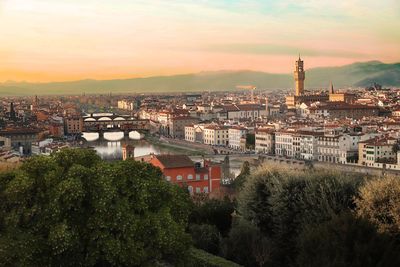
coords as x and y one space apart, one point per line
72 209
242 177
214 212
205 237
346 240
250 141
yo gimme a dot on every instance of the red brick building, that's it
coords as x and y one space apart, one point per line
199 177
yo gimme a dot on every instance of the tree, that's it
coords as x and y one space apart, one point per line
214 212
346 240
281 202
379 202
240 242
242 177
205 237
396 147
250 141
72 209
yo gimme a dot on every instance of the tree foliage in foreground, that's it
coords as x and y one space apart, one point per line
379 202
288 206
346 240
72 209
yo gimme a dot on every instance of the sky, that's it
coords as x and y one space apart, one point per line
60 40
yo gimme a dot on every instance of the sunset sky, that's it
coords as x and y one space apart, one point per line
56 40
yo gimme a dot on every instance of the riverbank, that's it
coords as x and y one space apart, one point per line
176 146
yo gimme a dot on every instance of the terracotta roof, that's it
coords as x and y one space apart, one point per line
175 161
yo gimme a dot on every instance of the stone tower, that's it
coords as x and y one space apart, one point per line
299 77
128 152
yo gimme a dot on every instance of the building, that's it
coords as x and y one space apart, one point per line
292 101
128 152
299 77
284 143
338 148
216 135
200 177
194 133
377 150
342 110
56 129
234 135
340 96
18 139
265 141
305 145
73 125
176 125
125 104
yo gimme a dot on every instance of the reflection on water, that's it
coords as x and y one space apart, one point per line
109 147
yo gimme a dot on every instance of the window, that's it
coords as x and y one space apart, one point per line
205 176
198 190
190 189
190 177
179 177
197 177
205 189
168 178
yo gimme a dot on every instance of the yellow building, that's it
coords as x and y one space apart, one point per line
340 96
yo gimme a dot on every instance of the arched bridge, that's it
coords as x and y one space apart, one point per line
106 121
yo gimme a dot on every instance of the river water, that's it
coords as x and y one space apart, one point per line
109 147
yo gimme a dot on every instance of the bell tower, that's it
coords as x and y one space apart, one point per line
299 77
128 152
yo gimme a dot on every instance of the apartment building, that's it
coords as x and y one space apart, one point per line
126 104
176 125
377 150
216 135
338 148
284 143
265 141
73 125
234 135
305 145
194 133
199 177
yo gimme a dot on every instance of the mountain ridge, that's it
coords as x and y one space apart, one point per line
358 74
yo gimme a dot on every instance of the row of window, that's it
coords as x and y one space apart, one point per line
198 189
189 177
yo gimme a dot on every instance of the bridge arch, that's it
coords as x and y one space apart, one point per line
119 119
104 119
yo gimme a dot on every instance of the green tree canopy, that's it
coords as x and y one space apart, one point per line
72 209
346 240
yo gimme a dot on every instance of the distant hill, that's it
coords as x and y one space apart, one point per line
353 75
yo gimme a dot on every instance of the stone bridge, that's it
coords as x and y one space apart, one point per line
107 121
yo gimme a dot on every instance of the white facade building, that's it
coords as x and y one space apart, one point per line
235 134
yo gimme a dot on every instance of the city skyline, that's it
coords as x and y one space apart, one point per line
67 40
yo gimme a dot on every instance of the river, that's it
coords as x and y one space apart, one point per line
109 147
